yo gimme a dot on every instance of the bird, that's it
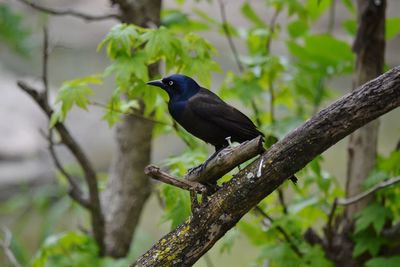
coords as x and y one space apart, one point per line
205 115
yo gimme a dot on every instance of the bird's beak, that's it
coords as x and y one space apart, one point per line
157 83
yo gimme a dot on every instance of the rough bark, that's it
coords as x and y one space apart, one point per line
225 161
128 188
369 46
189 241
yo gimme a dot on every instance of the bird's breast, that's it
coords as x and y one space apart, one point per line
176 109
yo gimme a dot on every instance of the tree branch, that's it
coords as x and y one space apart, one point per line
372 190
226 160
155 173
80 156
190 240
70 12
6 245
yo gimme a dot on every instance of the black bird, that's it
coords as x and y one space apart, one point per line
203 114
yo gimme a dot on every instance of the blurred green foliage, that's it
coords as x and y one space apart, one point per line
12 30
282 91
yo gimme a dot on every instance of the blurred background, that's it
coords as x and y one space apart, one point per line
32 205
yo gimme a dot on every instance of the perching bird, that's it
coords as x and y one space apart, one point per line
203 114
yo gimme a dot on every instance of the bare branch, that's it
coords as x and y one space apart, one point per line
45 57
134 112
75 191
6 245
226 160
235 53
372 190
69 12
87 167
155 173
228 35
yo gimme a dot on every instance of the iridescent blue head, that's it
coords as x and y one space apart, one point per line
179 87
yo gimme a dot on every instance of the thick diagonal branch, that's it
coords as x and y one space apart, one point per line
189 241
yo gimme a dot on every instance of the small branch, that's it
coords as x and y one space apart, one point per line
228 35
372 190
69 12
329 232
74 192
87 167
45 63
235 54
133 113
155 173
226 160
281 198
6 246
280 229
272 25
332 11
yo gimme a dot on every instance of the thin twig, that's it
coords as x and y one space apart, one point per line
87 167
133 113
45 56
6 245
228 35
69 12
281 198
332 16
372 190
75 191
236 54
272 25
280 229
329 226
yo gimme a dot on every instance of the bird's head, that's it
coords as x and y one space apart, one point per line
179 87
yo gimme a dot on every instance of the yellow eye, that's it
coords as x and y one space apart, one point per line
170 82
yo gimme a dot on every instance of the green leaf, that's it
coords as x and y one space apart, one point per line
121 40
392 28
161 43
12 30
375 215
74 92
251 15
67 249
350 26
381 261
315 256
297 28
177 205
367 242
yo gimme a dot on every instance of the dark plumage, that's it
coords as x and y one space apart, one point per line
203 114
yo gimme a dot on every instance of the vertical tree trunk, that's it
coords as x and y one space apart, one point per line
369 47
128 188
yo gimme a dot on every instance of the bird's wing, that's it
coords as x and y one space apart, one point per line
210 107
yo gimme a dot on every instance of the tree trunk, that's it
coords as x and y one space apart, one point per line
128 188
369 46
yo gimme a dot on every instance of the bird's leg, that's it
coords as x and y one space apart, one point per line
202 167
228 139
